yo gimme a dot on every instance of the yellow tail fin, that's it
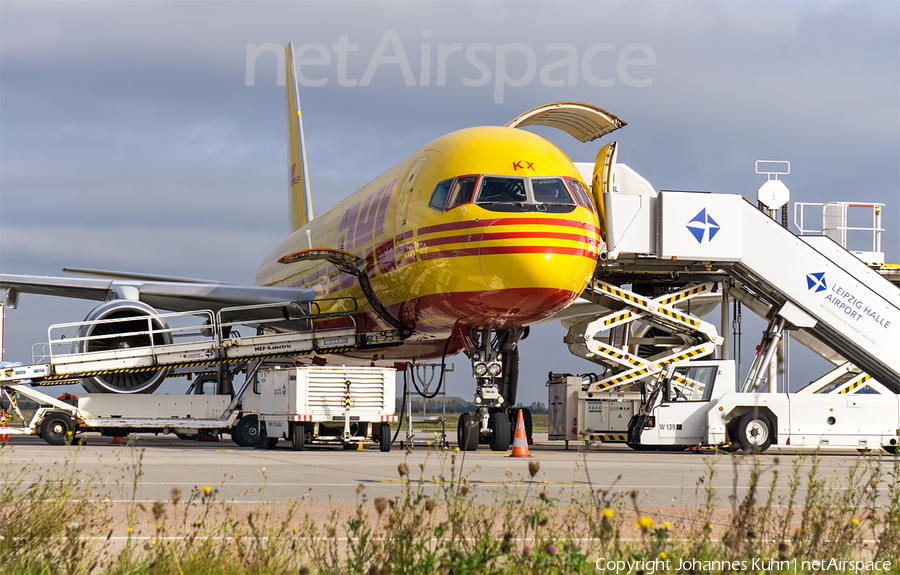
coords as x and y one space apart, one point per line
298 177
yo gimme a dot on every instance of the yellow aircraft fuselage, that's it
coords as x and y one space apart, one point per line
444 248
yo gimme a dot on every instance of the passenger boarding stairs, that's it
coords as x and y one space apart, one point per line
811 284
198 341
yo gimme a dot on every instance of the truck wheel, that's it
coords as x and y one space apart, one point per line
467 433
384 439
500 429
246 432
298 438
187 436
892 449
754 432
57 428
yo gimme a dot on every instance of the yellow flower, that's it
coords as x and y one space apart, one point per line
854 521
129 529
662 554
206 489
645 522
667 525
607 512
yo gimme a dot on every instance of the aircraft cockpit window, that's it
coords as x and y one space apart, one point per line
439 197
462 191
580 193
496 190
551 191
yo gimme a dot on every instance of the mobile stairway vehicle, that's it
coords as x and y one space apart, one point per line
668 249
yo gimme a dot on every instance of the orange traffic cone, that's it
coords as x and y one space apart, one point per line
520 442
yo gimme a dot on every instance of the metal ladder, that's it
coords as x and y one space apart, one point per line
438 438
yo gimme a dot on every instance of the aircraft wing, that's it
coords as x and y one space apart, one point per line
172 294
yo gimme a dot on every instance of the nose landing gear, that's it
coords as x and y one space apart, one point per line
495 366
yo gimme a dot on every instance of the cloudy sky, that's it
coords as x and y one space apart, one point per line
134 137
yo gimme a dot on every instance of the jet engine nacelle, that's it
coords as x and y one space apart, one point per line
122 324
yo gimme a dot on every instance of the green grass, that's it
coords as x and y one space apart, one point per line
55 522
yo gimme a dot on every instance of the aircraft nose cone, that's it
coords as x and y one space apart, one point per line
530 270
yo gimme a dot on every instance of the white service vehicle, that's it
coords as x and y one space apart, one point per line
337 405
694 404
712 413
117 415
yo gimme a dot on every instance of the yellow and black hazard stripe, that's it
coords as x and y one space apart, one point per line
678 317
618 354
681 295
617 318
204 363
644 303
343 349
625 377
686 355
627 296
609 438
856 384
55 382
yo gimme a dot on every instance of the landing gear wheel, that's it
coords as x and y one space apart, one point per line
187 436
500 429
57 428
247 432
754 431
298 438
270 442
467 432
384 437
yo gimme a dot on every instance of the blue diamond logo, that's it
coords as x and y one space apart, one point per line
703 227
816 282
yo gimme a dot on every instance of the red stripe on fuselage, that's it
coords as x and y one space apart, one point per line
506 222
505 250
489 236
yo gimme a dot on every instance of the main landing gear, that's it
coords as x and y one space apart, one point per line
495 365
